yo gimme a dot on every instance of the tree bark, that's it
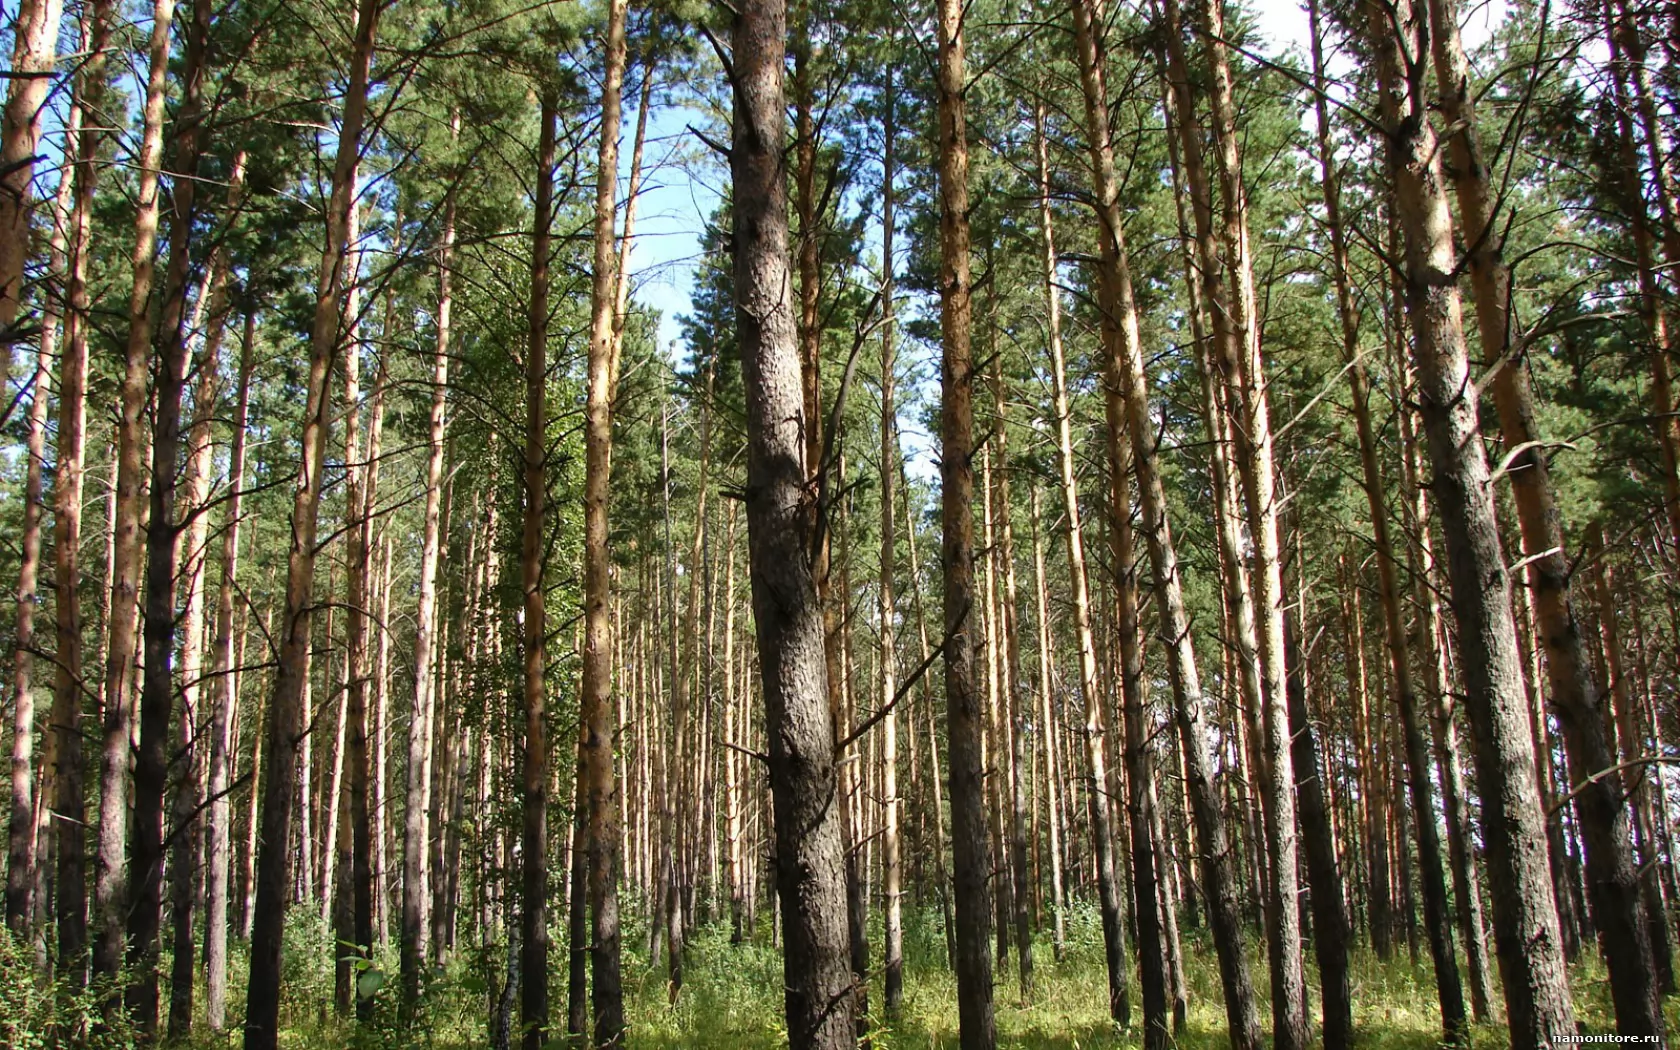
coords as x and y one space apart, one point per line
600 796
285 723
34 53
1601 805
891 860
22 834
1525 919
782 530
223 700
533 930
114 892
1124 374
963 702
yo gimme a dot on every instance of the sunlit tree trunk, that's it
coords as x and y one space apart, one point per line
223 700
599 797
23 838
891 862
113 889
34 53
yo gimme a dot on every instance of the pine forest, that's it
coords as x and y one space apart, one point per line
838 524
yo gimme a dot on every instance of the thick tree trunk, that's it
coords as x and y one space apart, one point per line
1525 919
1601 804
781 526
600 794
533 925
1125 375
964 716
285 723
1449 990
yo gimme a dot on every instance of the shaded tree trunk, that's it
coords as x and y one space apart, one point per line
285 722
783 532
963 703
1529 946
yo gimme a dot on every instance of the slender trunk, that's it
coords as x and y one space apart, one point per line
781 528
70 799
1126 378
223 701
1046 716
416 918
1119 1005
891 863
533 929
34 53
964 715
22 840
285 722
113 889
1252 445
1525 919
600 796
157 698
1140 767
1633 748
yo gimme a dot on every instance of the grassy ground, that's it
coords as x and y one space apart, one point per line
732 998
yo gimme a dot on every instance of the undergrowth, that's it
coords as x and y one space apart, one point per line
731 997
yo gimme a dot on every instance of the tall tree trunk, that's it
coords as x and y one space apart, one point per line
1123 346
416 918
600 796
22 834
354 898
1046 716
963 712
1525 919
891 861
1252 445
1632 750
1119 1005
533 926
1601 803
34 53
223 701
782 530
157 700
1448 988
70 800
1140 766
114 892
285 723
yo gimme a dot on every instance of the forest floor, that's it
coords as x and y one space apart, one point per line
731 998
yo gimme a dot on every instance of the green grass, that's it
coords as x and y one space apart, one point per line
732 997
